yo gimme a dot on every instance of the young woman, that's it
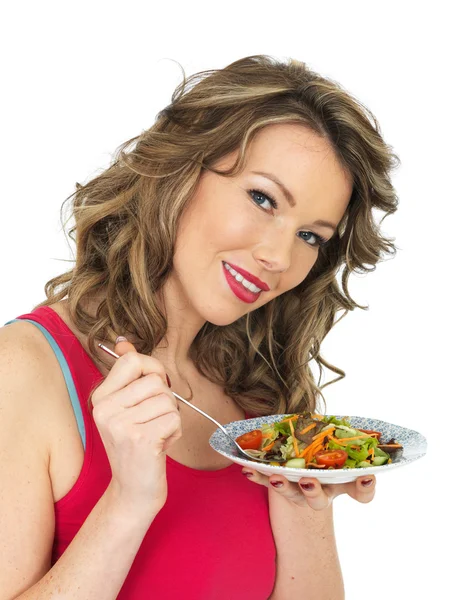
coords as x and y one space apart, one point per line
208 257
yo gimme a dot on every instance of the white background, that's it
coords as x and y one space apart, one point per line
79 78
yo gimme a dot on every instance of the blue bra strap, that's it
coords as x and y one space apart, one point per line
67 376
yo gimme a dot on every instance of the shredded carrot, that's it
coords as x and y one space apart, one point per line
320 417
308 428
311 448
308 456
349 439
324 433
312 452
315 465
294 418
269 446
337 440
294 440
372 453
266 435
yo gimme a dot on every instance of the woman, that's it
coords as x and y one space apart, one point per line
207 257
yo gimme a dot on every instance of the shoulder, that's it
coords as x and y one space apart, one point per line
24 354
26 501
29 374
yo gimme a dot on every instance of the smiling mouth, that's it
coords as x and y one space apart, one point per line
240 286
241 279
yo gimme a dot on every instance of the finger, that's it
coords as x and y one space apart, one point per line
146 387
288 489
364 488
255 476
129 367
280 484
315 495
122 346
149 409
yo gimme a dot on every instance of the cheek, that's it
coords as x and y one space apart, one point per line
301 265
224 226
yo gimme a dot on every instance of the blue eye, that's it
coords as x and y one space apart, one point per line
266 202
317 240
263 200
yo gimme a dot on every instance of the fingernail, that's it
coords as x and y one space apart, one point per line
247 474
168 381
277 484
307 486
121 338
366 482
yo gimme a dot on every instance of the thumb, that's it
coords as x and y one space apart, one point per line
122 346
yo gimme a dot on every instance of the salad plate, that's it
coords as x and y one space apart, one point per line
414 447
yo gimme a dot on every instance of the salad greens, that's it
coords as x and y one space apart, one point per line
321 442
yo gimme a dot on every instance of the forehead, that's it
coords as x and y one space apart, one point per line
305 163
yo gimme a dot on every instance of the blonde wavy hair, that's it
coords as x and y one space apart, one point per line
126 219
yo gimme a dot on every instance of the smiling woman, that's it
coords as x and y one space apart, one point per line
208 255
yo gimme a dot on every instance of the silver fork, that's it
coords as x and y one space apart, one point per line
239 449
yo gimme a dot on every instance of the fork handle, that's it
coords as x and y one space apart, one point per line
202 413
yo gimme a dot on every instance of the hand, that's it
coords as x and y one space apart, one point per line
138 420
309 492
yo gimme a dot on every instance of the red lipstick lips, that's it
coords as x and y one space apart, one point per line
249 277
239 290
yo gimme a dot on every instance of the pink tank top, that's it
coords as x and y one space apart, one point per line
212 540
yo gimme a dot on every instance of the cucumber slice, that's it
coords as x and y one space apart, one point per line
363 463
344 432
379 452
298 463
379 460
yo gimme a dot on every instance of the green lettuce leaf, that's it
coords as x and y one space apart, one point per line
283 428
336 421
287 449
271 431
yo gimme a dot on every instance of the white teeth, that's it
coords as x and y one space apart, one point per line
241 279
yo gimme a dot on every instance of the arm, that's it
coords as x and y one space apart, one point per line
307 559
98 559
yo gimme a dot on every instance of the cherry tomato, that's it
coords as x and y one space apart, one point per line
332 458
251 440
371 431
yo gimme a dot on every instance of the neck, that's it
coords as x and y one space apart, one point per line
183 324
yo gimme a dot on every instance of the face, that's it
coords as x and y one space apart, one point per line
245 240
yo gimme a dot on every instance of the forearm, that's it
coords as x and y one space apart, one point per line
98 559
307 560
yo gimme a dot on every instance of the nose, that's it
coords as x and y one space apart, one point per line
275 254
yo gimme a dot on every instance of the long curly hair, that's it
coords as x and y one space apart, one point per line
126 219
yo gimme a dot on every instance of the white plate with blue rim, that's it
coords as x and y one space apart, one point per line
414 447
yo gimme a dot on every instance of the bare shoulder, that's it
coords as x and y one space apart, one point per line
29 379
27 372
27 366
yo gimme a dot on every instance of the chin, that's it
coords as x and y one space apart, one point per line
221 318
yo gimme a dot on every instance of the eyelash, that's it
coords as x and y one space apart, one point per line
321 241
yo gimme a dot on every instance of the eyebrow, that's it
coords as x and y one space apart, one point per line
290 198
